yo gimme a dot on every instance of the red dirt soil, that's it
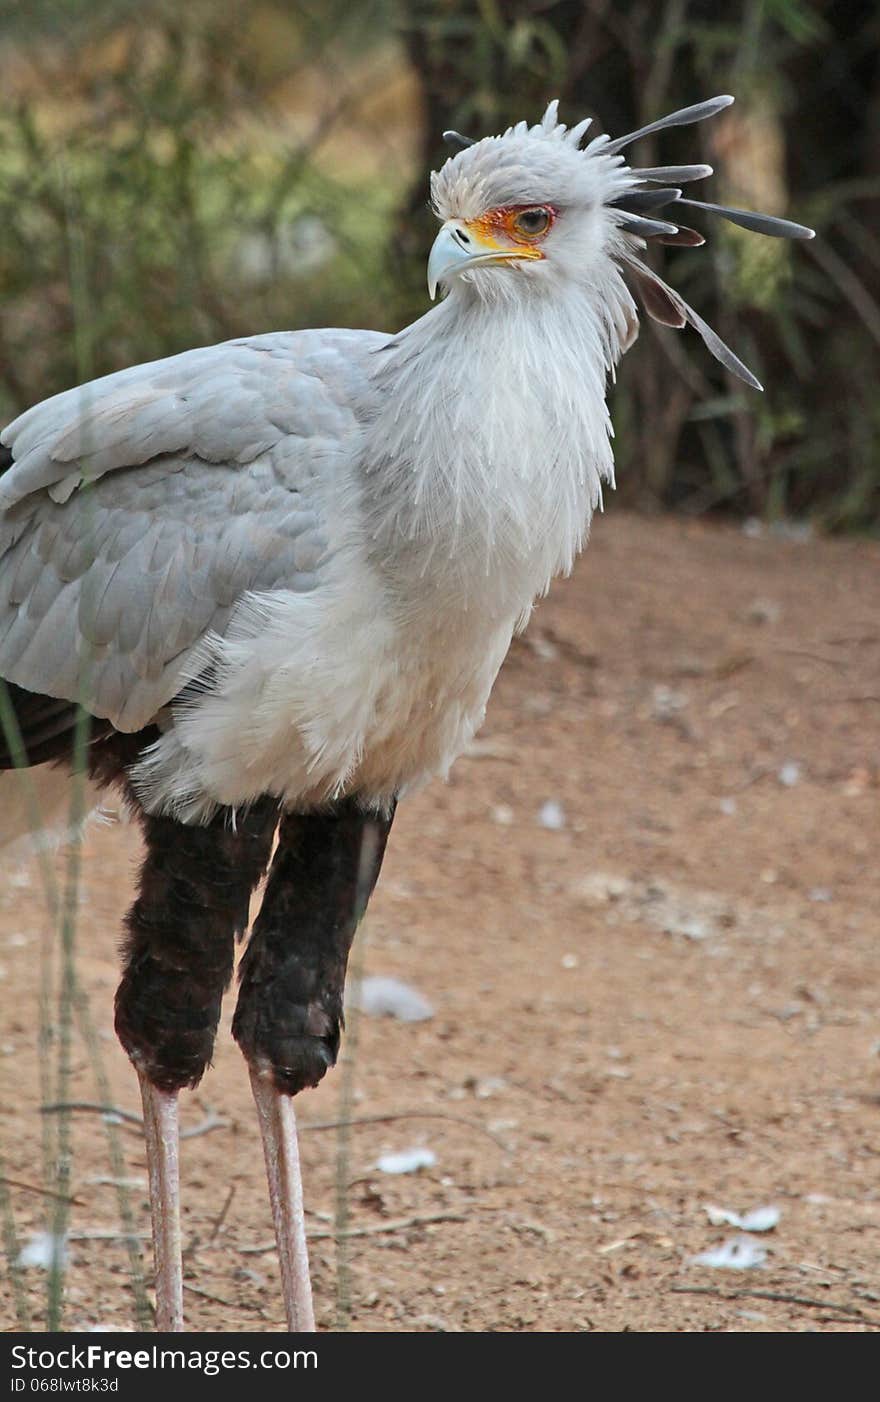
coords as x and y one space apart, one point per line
668 1001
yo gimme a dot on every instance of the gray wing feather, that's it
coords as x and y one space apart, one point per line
204 477
223 404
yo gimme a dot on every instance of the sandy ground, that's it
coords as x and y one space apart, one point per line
665 999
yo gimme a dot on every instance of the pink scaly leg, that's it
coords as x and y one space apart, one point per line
161 1132
278 1128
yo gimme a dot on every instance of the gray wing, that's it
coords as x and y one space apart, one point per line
140 508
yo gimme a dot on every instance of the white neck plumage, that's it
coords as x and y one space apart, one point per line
496 439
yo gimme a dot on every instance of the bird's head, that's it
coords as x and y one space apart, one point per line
533 211
523 211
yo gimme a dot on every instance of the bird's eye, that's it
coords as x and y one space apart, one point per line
531 223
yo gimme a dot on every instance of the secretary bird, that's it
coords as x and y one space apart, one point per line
280 575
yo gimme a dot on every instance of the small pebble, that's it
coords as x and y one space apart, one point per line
406 1161
738 1254
552 816
380 996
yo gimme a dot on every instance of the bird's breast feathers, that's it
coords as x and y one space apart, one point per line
314 695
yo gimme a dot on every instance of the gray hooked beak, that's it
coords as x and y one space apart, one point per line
453 248
458 246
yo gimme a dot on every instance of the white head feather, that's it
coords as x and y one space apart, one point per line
539 165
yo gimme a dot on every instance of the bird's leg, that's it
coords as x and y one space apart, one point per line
281 1152
195 886
290 1007
160 1132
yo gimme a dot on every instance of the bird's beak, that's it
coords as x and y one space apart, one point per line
462 244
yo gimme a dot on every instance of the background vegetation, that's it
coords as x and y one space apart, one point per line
179 174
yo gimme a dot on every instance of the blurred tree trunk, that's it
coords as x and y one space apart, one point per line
834 158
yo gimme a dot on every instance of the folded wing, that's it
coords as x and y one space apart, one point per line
138 510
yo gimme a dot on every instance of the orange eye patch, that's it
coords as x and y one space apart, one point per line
519 224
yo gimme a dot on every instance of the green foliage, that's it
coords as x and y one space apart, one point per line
140 150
